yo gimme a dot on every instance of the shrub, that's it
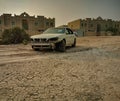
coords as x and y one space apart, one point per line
25 42
14 36
6 36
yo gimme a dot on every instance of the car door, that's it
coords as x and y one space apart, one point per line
69 36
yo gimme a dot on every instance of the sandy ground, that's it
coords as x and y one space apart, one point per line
89 72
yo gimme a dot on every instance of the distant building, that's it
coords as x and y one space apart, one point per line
90 27
63 26
31 24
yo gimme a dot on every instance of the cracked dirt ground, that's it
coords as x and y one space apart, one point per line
89 72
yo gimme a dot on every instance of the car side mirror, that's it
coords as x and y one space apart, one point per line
75 33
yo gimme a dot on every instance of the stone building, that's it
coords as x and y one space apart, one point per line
31 24
90 27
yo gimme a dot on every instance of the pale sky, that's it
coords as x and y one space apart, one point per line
63 11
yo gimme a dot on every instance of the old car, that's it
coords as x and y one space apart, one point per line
54 38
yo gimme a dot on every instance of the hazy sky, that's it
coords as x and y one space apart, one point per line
63 10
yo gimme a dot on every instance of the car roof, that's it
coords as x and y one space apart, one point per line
62 27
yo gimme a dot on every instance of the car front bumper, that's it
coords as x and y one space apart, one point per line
43 45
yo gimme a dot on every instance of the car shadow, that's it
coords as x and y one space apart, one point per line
68 50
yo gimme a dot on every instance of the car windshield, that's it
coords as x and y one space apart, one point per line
55 30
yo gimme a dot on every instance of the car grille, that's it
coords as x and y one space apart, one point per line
40 40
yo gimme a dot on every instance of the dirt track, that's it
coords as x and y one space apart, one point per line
89 72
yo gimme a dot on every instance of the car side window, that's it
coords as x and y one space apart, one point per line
69 31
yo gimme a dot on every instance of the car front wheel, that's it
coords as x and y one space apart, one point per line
74 44
36 49
62 46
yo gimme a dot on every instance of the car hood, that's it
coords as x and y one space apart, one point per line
47 35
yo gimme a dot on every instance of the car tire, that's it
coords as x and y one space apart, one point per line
35 49
62 46
74 44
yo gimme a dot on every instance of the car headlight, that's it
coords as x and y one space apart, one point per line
53 39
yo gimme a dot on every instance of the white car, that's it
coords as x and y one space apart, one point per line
54 38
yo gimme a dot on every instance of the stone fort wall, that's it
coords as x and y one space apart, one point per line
31 24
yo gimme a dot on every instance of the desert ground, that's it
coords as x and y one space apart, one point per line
88 72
